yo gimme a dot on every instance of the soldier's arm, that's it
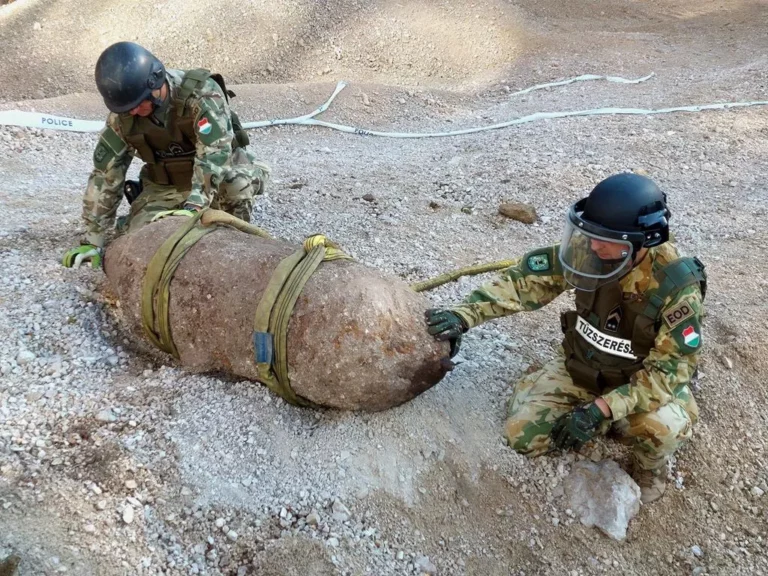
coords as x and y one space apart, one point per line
213 127
104 191
532 282
671 362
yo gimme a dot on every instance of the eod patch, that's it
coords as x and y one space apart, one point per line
678 314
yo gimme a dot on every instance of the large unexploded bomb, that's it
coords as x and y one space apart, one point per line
355 339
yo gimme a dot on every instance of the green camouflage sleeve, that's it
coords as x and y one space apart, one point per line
213 126
532 282
669 366
104 191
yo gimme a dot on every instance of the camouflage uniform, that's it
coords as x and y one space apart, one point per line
199 161
646 386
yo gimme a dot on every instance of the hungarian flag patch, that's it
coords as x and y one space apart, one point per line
204 126
690 336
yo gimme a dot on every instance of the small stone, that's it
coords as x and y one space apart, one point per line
728 362
220 522
128 514
186 491
101 505
757 492
89 528
106 416
697 551
313 519
714 506
524 213
333 542
131 484
37 26
423 564
400 555
25 357
232 535
369 198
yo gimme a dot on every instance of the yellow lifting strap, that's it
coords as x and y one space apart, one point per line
270 324
270 337
456 274
155 293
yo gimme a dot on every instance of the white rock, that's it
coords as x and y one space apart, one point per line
106 416
697 551
423 564
603 495
232 535
25 357
131 484
757 492
220 522
128 514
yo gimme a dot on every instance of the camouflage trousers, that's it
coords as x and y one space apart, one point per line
541 397
246 179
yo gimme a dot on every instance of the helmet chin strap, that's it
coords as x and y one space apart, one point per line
159 108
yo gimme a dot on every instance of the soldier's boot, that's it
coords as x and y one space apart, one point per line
236 197
652 483
10 565
240 210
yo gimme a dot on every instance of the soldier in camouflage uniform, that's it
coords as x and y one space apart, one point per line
180 124
632 344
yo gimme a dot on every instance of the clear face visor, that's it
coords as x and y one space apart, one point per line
590 261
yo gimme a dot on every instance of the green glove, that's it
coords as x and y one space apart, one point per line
446 325
85 252
574 429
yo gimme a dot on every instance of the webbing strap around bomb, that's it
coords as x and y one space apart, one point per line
155 293
270 325
270 337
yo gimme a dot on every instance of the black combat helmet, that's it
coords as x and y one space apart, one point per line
605 231
126 74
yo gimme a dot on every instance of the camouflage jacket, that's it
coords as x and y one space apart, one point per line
113 155
671 361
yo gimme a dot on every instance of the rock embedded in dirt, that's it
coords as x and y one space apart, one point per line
603 495
524 213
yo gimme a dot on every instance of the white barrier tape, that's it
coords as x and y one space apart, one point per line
39 120
531 118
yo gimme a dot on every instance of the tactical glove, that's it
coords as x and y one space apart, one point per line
446 325
575 428
85 252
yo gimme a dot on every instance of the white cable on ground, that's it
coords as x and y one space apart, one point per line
38 120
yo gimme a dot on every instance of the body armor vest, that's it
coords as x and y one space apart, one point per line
607 337
169 151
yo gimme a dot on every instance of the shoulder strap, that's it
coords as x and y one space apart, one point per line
672 278
192 80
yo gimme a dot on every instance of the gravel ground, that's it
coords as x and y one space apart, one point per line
115 461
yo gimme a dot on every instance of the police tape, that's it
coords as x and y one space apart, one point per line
51 122
40 120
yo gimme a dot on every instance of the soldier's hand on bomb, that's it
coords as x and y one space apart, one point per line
84 253
446 325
